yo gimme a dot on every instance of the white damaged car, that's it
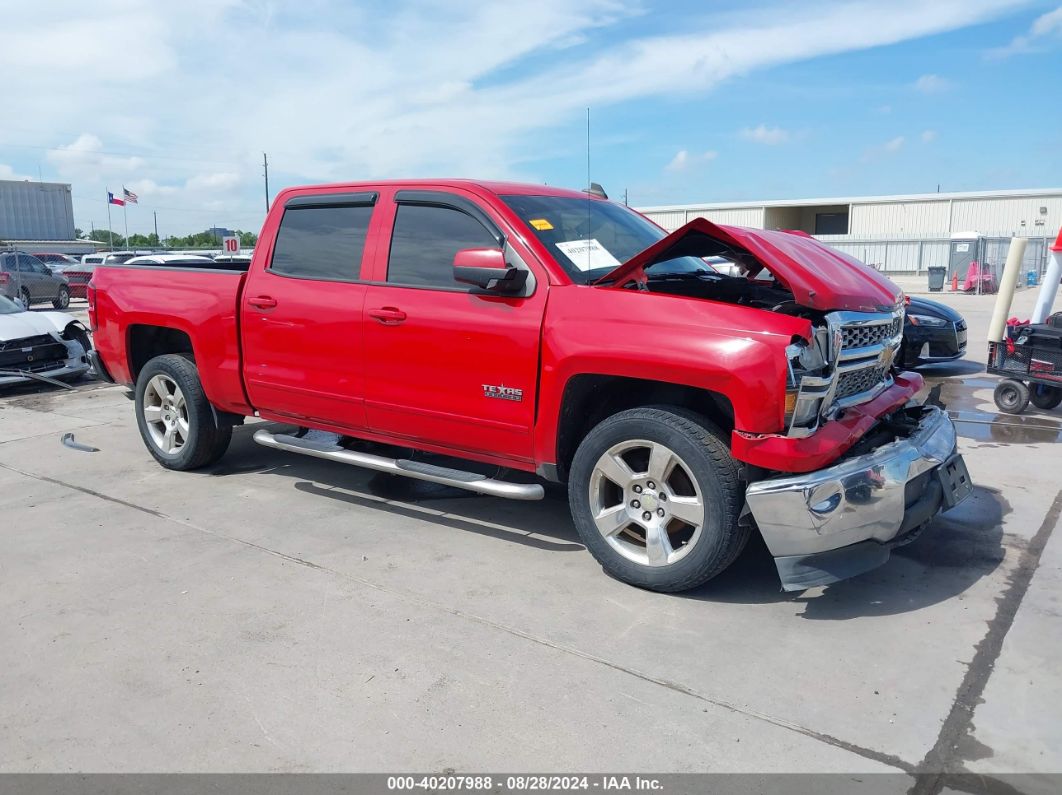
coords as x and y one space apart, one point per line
40 346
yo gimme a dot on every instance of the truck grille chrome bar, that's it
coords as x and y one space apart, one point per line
861 348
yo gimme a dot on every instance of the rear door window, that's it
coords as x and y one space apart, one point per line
323 243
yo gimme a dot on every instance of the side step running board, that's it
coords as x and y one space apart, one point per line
471 481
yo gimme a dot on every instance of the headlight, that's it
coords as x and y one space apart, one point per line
805 387
927 320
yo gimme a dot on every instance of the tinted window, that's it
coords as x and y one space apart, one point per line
321 242
425 240
32 264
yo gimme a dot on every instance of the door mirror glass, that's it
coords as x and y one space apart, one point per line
487 269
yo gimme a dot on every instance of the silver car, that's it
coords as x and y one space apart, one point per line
24 276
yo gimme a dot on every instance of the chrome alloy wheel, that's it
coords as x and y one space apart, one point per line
646 502
166 414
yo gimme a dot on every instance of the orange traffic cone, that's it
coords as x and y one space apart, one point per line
955 282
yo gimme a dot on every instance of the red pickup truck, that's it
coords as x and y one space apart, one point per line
492 336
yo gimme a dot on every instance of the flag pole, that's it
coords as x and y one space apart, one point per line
125 215
110 229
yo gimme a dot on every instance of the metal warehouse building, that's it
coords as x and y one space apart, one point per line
38 216
899 234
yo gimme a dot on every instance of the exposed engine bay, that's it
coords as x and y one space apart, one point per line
700 266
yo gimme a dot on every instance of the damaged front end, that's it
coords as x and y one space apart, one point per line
45 357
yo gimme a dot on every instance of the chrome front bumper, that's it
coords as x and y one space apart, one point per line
827 525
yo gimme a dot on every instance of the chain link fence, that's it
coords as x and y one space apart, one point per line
914 256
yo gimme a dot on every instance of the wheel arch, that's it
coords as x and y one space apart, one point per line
145 342
590 398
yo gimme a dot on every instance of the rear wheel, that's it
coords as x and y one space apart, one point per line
1011 396
655 496
24 294
175 418
1045 397
62 298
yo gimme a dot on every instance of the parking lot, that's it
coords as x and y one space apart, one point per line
277 613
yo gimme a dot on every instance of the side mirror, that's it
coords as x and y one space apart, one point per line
486 268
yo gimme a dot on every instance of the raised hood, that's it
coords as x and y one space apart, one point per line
818 276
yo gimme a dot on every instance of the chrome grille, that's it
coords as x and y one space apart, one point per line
860 336
854 382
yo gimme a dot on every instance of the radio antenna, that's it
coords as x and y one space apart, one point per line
588 148
588 195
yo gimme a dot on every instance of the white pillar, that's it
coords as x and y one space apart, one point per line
1007 283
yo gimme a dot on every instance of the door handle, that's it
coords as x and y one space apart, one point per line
388 315
262 301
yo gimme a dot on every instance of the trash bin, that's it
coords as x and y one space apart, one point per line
936 278
1030 278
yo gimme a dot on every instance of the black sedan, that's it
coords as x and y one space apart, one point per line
932 333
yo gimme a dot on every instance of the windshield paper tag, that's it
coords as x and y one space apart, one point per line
588 255
541 224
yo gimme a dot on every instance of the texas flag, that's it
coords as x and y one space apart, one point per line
112 199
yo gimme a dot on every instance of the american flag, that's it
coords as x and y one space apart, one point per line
129 195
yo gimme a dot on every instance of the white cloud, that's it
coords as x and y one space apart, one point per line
928 136
1043 27
219 182
680 162
169 94
894 144
763 134
683 160
86 155
6 172
932 84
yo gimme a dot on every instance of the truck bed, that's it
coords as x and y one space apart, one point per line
203 303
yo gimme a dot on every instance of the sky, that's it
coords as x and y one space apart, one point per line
689 101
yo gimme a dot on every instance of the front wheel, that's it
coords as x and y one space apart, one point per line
1011 396
62 298
655 496
175 418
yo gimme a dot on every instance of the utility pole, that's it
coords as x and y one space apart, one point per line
158 241
265 173
625 198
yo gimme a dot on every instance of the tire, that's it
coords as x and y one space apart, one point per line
1045 397
1011 397
62 298
24 294
700 468
197 441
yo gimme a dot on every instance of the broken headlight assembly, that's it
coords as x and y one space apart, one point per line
809 382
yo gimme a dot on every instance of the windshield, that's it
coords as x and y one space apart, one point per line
589 238
8 307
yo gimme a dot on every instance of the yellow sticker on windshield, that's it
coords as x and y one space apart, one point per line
541 224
